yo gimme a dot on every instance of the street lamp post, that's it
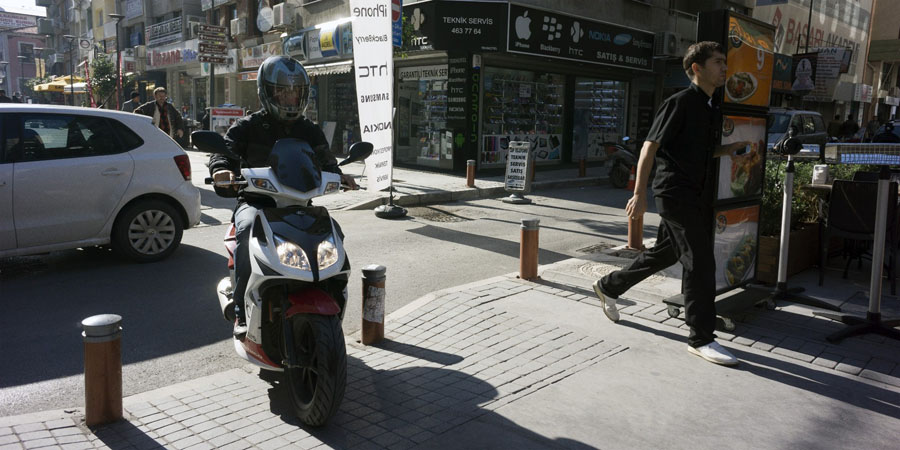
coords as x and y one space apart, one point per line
21 88
71 40
117 18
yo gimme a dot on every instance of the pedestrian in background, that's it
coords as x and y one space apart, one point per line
684 141
849 127
17 97
164 115
834 127
135 102
3 97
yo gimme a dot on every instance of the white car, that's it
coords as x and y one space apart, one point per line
79 177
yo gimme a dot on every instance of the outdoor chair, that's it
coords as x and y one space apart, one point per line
851 215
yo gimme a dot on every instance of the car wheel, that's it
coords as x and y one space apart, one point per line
147 231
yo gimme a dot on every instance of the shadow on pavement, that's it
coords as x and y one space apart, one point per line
415 406
423 353
166 307
124 435
500 246
818 381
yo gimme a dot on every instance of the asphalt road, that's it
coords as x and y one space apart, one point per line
173 330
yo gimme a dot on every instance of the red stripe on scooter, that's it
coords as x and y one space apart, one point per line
312 301
256 351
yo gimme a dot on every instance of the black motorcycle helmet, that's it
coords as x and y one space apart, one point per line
283 87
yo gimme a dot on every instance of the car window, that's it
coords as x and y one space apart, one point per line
819 123
57 136
808 126
129 139
797 121
778 123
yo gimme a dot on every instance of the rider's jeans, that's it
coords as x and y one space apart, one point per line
243 221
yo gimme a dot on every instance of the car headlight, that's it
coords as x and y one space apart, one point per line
290 254
328 253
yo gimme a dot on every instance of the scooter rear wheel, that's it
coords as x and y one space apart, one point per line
317 385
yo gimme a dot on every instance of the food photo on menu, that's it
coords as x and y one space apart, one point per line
735 246
742 174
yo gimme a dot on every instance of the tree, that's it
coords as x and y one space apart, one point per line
103 78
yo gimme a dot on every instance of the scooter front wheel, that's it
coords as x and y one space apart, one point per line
619 174
318 381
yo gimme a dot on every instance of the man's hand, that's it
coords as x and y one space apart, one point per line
636 207
349 181
180 133
224 175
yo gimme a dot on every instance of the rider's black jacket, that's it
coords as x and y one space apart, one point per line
252 137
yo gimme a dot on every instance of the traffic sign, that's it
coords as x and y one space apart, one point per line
214 49
211 38
211 29
217 59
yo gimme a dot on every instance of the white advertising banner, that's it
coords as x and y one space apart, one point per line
374 72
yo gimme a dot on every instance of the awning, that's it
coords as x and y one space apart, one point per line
334 68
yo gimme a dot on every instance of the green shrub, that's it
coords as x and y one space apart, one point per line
805 205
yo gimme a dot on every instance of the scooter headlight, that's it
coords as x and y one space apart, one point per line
290 254
328 253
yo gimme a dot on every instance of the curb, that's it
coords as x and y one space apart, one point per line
428 198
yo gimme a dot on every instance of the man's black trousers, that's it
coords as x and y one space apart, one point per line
685 234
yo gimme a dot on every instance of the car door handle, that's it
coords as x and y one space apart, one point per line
111 172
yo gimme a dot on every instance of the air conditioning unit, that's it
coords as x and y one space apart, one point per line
894 91
45 26
667 43
140 51
192 29
238 26
284 14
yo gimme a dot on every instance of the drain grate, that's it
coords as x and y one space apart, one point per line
596 248
433 214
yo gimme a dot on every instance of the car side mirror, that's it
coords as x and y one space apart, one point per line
358 152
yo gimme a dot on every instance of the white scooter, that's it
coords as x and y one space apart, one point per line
297 290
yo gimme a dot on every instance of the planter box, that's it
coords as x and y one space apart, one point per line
802 254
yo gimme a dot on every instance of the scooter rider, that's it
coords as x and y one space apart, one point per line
283 88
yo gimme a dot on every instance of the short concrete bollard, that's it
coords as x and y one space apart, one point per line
373 304
102 369
470 173
528 249
582 168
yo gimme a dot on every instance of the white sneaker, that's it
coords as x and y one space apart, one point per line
609 304
714 353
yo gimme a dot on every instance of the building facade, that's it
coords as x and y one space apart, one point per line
18 43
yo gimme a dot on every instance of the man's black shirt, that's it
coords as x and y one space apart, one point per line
688 128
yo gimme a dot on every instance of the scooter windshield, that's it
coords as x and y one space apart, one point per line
294 164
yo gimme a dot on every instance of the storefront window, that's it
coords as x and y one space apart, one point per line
340 109
521 106
599 116
422 134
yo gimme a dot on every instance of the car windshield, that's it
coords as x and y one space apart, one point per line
293 162
778 123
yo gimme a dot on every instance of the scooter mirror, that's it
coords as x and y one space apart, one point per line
626 139
358 152
789 144
209 142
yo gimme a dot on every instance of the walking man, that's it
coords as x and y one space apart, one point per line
132 104
164 115
684 139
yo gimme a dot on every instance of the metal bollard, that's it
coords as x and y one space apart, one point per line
470 173
528 249
373 304
636 234
102 369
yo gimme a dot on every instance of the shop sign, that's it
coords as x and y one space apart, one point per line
164 32
781 77
750 62
893 101
134 39
862 93
248 76
397 22
518 166
545 33
456 88
206 5
434 72
134 8
221 119
474 26
828 70
373 61
328 40
12 20
172 55
254 56
803 72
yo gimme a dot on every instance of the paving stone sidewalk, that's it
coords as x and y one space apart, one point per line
447 362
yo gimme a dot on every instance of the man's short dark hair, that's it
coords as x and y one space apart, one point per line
849 116
135 94
699 53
